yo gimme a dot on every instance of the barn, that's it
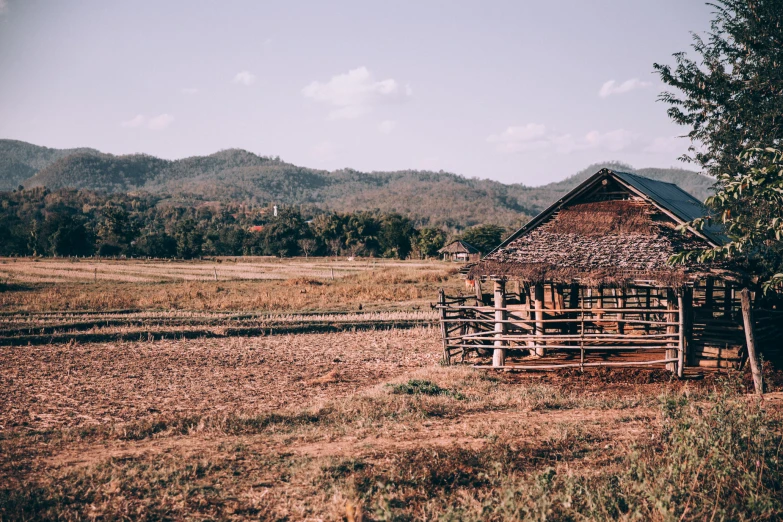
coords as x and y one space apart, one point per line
587 283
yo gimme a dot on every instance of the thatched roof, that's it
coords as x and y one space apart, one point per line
605 231
459 246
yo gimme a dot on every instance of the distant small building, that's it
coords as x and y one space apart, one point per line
256 228
460 251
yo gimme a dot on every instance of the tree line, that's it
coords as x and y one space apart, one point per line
70 222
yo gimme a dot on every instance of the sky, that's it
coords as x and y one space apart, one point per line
517 91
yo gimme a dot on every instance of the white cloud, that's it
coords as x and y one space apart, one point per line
612 141
189 90
535 136
525 137
355 93
160 122
387 126
667 145
136 121
612 87
3 7
245 78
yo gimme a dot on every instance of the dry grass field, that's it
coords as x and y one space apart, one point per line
280 400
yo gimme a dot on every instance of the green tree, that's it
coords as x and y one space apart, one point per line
68 235
281 234
484 237
395 236
428 241
189 239
750 207
731 95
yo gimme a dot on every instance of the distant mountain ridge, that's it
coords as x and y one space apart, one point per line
434 198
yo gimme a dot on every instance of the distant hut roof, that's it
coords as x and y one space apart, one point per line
457 247
612 228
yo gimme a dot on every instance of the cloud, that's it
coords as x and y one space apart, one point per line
515 139
612 141
667 145
189 90
387 126
355 93
159 122
612 87
136 121
3 7
245 78
535 136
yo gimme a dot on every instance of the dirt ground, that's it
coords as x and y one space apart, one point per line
185 399
270 426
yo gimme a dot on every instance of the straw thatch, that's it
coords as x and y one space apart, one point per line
600 243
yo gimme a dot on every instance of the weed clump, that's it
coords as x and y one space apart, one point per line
423 387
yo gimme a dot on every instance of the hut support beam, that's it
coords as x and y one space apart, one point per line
681 336
671 353
499 354
538 304
750 338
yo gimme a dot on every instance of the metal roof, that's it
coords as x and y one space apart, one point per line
672 198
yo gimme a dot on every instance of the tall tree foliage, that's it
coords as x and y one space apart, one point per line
731 94
750 206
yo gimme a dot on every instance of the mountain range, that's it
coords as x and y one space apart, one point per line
432 198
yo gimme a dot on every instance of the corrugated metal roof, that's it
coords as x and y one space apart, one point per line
672 198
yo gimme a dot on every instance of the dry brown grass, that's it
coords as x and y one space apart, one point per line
319 426
379 286
360 425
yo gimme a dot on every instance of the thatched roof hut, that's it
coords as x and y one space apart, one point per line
587 283
615 228
460 250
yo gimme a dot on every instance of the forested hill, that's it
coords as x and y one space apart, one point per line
433 198
20 160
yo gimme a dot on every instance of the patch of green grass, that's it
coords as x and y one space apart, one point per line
423 387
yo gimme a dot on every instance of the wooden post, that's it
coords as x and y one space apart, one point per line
621 304
727 299
647 304
443 329
750 338
709 285
573 303
95 275
600 306
499 355
479 295
688 311
671 353
538 304
681 340
215 269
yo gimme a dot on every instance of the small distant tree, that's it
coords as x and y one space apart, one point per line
428 241
484 237
395 236
282 233
307 245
